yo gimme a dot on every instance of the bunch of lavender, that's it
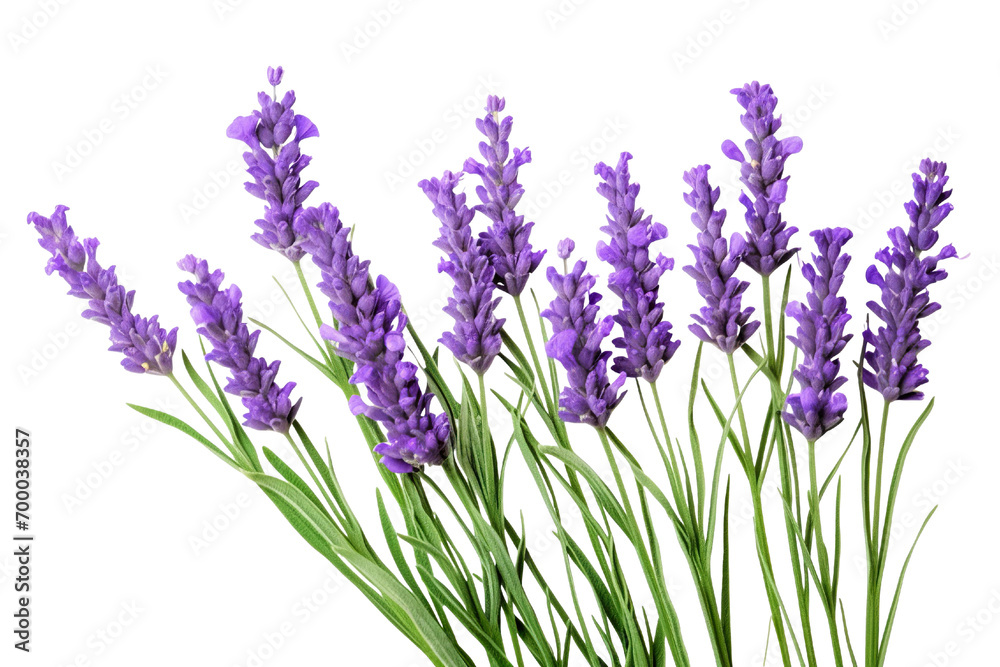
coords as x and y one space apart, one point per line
722 322
589 397
219 316
817 407
892 366
370 334
647 340
146 346
506 242
476 339
275 127
767 241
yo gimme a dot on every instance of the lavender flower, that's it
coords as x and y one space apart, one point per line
370 333
506 241
817 408
721 322
147 347
646 340
767 241
370 318
576 341
276 175
565 248
415 436
476 339
219 316
892 367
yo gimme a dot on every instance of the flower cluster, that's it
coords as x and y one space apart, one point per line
276 173
147 347
476 339
892 366
506 241
576 343
647 341
767 241
817 408
219 316
722 322
370 333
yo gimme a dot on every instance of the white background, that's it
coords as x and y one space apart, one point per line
120 502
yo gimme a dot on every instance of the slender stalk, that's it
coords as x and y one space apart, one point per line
760 531
878 471
201 412
534 354
768 325
872 615
664 607
739 407
821 552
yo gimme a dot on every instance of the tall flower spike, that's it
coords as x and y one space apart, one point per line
817 407
147 347
370 318
476 338
589 397
370 333
506 241
647 341
219 316
891 364
767 241
722 322
276 173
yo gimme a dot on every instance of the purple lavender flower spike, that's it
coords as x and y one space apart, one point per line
476 338
722 322
415 436
370 318
892 366
219 316
767 241
817 407
147 347
576 341
506 241
647 340
370 333
565 248
275 162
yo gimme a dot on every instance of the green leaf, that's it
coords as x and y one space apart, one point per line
183 427
884 645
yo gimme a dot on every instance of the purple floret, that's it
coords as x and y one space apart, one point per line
817 407
147 347
506 242
476 338
219 316
761 172
589 397
275 161
891 362
721 322
647 340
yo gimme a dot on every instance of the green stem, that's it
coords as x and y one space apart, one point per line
768 325
872 615
243 459
534 354
664 607
739 409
